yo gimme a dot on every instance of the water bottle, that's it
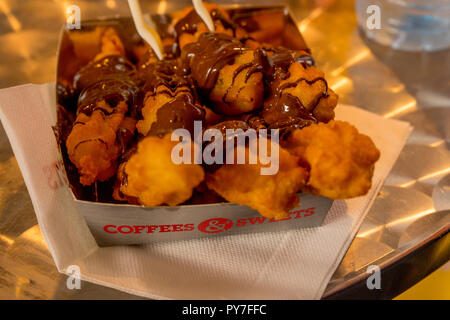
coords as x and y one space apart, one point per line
410 25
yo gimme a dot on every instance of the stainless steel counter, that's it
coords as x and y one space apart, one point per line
403 233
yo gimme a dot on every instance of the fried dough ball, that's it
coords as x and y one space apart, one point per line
272 195
190 26
341 160
227 71
152 103
234 92
309 85
163 113
92 144
110 44
154 179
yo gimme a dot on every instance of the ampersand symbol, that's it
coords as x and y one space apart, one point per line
215 225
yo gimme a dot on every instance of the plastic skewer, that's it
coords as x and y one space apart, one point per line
148 34
204 14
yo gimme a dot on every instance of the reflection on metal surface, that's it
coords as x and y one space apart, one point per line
432 126
441 194
410 106
406 86
13 21
426 177
6 239
313 15
340 83
352 61
420 167
416 230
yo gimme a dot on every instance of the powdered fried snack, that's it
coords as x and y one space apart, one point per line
341 160
272 195
152 177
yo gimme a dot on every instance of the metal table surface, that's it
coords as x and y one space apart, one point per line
403 233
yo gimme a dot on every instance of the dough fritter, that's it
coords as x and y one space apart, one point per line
190 26
92 144
341 160
103 126
272 195
309 87
153 178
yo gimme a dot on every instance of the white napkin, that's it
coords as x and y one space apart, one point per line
291 265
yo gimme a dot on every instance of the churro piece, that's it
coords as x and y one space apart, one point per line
92 145
104 125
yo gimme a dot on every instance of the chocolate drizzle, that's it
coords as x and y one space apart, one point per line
186 78
165 73
189 23
257 65
110 79
111 91
206 57
109 67
178 113
284 110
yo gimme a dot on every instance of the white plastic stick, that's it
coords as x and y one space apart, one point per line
148 34
204 14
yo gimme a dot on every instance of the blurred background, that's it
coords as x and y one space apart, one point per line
400 71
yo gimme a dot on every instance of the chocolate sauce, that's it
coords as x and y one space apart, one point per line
111 91
206 57
165 72
283 110
259 64
113 66
110 79
230 124
180 112
189 23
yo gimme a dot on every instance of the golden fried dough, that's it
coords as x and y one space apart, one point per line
152 103
92 144
341 160
272 195
110 44
188 18
154 179
309 85
234 92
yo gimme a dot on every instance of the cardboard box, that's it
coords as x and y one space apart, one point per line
124 224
